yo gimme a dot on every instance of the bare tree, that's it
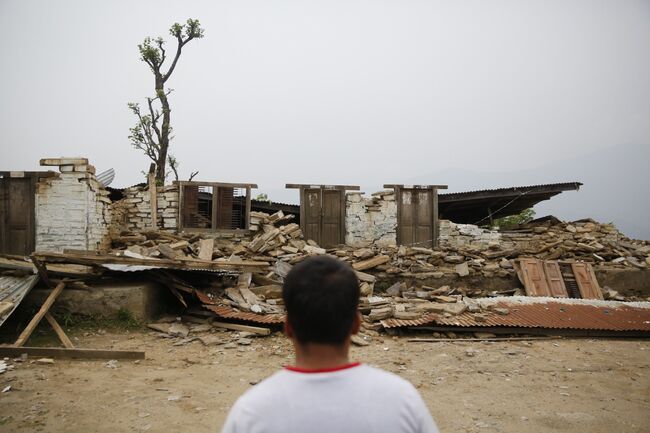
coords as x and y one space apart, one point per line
152 132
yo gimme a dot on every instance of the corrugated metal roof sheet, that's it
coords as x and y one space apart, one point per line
401 323
230 313
12 292
514 189
601 316
553 315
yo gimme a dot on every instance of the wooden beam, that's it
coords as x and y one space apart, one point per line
59 331
61 352
321 186
390 185
218 184
243 328
42 271
153 201
219 264
27 332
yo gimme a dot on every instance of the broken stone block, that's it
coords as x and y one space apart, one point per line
462 269
454 259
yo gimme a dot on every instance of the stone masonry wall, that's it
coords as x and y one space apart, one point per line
135 209
72 211
371 220
454 235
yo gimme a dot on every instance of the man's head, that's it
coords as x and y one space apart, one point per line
321 295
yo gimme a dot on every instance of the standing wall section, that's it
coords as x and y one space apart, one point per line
135 209
72 209
371 221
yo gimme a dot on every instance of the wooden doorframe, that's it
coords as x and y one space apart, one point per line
433 189
5 179
342 190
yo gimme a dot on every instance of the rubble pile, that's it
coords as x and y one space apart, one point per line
280 244
585 240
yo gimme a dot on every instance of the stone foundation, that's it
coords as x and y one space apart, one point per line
144 299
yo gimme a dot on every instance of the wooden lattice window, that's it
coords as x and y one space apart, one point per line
211 206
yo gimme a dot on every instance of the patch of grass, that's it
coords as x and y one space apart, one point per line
127 320
121 321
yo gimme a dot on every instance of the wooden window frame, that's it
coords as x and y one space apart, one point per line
214 185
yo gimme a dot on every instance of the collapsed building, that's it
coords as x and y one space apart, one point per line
419 258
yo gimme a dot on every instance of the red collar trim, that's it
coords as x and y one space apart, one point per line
322 370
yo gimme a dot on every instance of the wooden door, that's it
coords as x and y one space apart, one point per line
534 277
416 217
554 279
323 219
17 226
311 203
332 223
587 282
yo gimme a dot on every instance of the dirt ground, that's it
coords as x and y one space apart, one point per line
576 385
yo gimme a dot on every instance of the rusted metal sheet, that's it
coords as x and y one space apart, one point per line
229 313
558 315
400 323
554 279
12 292
534 278
587 282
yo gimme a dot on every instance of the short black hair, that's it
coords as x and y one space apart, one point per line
321 295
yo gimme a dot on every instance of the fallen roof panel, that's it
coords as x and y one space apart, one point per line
229 313
12 293
472 207
545 313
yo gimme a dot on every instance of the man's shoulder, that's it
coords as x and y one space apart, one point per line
385 379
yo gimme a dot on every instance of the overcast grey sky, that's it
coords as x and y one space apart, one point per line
476 94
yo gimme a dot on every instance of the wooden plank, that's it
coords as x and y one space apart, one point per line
206 248
63 161
554 279
27 332
310 185
218 184
435 211
244 328
370 263
247 216
59 331
153 201
587 282
42 272
181 263
395 186
76 353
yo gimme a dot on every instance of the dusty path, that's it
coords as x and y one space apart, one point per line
542 386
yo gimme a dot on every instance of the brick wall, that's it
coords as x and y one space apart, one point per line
72 211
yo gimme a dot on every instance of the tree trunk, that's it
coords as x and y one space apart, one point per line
161 164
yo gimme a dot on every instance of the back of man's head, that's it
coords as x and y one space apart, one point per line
321 295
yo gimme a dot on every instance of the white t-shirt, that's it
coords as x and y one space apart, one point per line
355 398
